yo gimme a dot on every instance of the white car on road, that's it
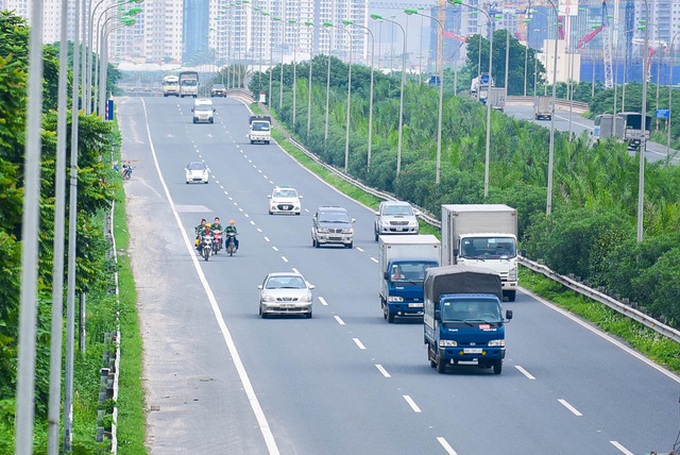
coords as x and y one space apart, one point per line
284 293
196 172
284 199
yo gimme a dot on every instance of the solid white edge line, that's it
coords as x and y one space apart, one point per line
359 344
566 404
621 448
339 319
231 346
323 301
525 373
382 370
604 336
447 447
412 404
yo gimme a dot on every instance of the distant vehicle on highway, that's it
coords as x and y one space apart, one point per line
284 199
395 217
218 90
203 110
196 172
188 84
284 293
170 86
331 225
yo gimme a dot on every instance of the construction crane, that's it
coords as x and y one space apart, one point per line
606 45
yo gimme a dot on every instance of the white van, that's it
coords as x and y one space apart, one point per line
203 110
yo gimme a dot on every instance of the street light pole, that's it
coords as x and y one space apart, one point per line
309 84
295 41
551 149
349 93
488 105
643 142
370 101
670 96
440 64
403 80
328 81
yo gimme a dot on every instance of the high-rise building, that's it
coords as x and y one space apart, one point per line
195 30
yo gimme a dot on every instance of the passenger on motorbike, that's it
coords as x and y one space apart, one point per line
200 230
217 227
232 229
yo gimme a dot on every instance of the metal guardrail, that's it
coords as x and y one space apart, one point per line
577 106
594 294
603 298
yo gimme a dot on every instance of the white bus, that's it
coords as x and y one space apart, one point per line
171 86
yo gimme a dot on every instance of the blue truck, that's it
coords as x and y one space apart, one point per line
403 262
463 317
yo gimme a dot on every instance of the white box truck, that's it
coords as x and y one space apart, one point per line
542 108
260 129
483 235
403 261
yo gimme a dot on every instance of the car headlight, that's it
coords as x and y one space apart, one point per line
322 230
512 274
268 298
448 343
395 298
306 298
385 223
496 343
348 231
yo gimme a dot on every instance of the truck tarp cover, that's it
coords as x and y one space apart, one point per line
461 279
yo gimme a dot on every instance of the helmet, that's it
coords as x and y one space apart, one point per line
207 224
232 222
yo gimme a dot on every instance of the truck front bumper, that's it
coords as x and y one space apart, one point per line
468 354
509 285
406 309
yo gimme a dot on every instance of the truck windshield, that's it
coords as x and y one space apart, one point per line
189 82
471 310
412 271
203 108
261 126
488 248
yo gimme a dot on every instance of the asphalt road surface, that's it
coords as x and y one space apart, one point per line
221 380
655 152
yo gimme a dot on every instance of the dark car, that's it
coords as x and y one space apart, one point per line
219 90
331 225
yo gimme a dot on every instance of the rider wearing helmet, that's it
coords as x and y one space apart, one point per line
217 226
200 230
232 229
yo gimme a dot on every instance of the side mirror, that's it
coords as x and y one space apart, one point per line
377 213
300 196
192 109
259 286
269 196
455 251
523 252
354 220
417 212
508 314
310 286
437 315
386 275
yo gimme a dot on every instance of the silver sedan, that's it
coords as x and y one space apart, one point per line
284 293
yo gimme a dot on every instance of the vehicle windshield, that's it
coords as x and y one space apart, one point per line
411 272
285 193
196 166
260 126
190 82
285 282
403 210
171 82
218 87
334 217
488 248
203 108
471 310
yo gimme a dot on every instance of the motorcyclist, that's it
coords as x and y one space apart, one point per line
231 228
200 230
216 226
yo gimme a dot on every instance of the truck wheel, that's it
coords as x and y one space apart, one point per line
497 367
376 236
430 357
511 295
252 142
390 315
441 365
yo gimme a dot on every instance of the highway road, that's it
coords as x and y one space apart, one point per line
655 152
221 380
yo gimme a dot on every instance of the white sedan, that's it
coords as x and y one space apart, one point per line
284 293
284 199
196 172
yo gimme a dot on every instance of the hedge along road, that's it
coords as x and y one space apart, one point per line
344 381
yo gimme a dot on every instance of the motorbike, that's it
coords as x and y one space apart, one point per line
206 246
217 243
231 243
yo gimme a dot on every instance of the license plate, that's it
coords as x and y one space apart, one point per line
472 350
415 305
399 229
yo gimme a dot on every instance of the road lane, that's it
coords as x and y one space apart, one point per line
322 393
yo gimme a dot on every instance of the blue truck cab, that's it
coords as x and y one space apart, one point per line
404 287
463 317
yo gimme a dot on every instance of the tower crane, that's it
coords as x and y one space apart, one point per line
606 45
